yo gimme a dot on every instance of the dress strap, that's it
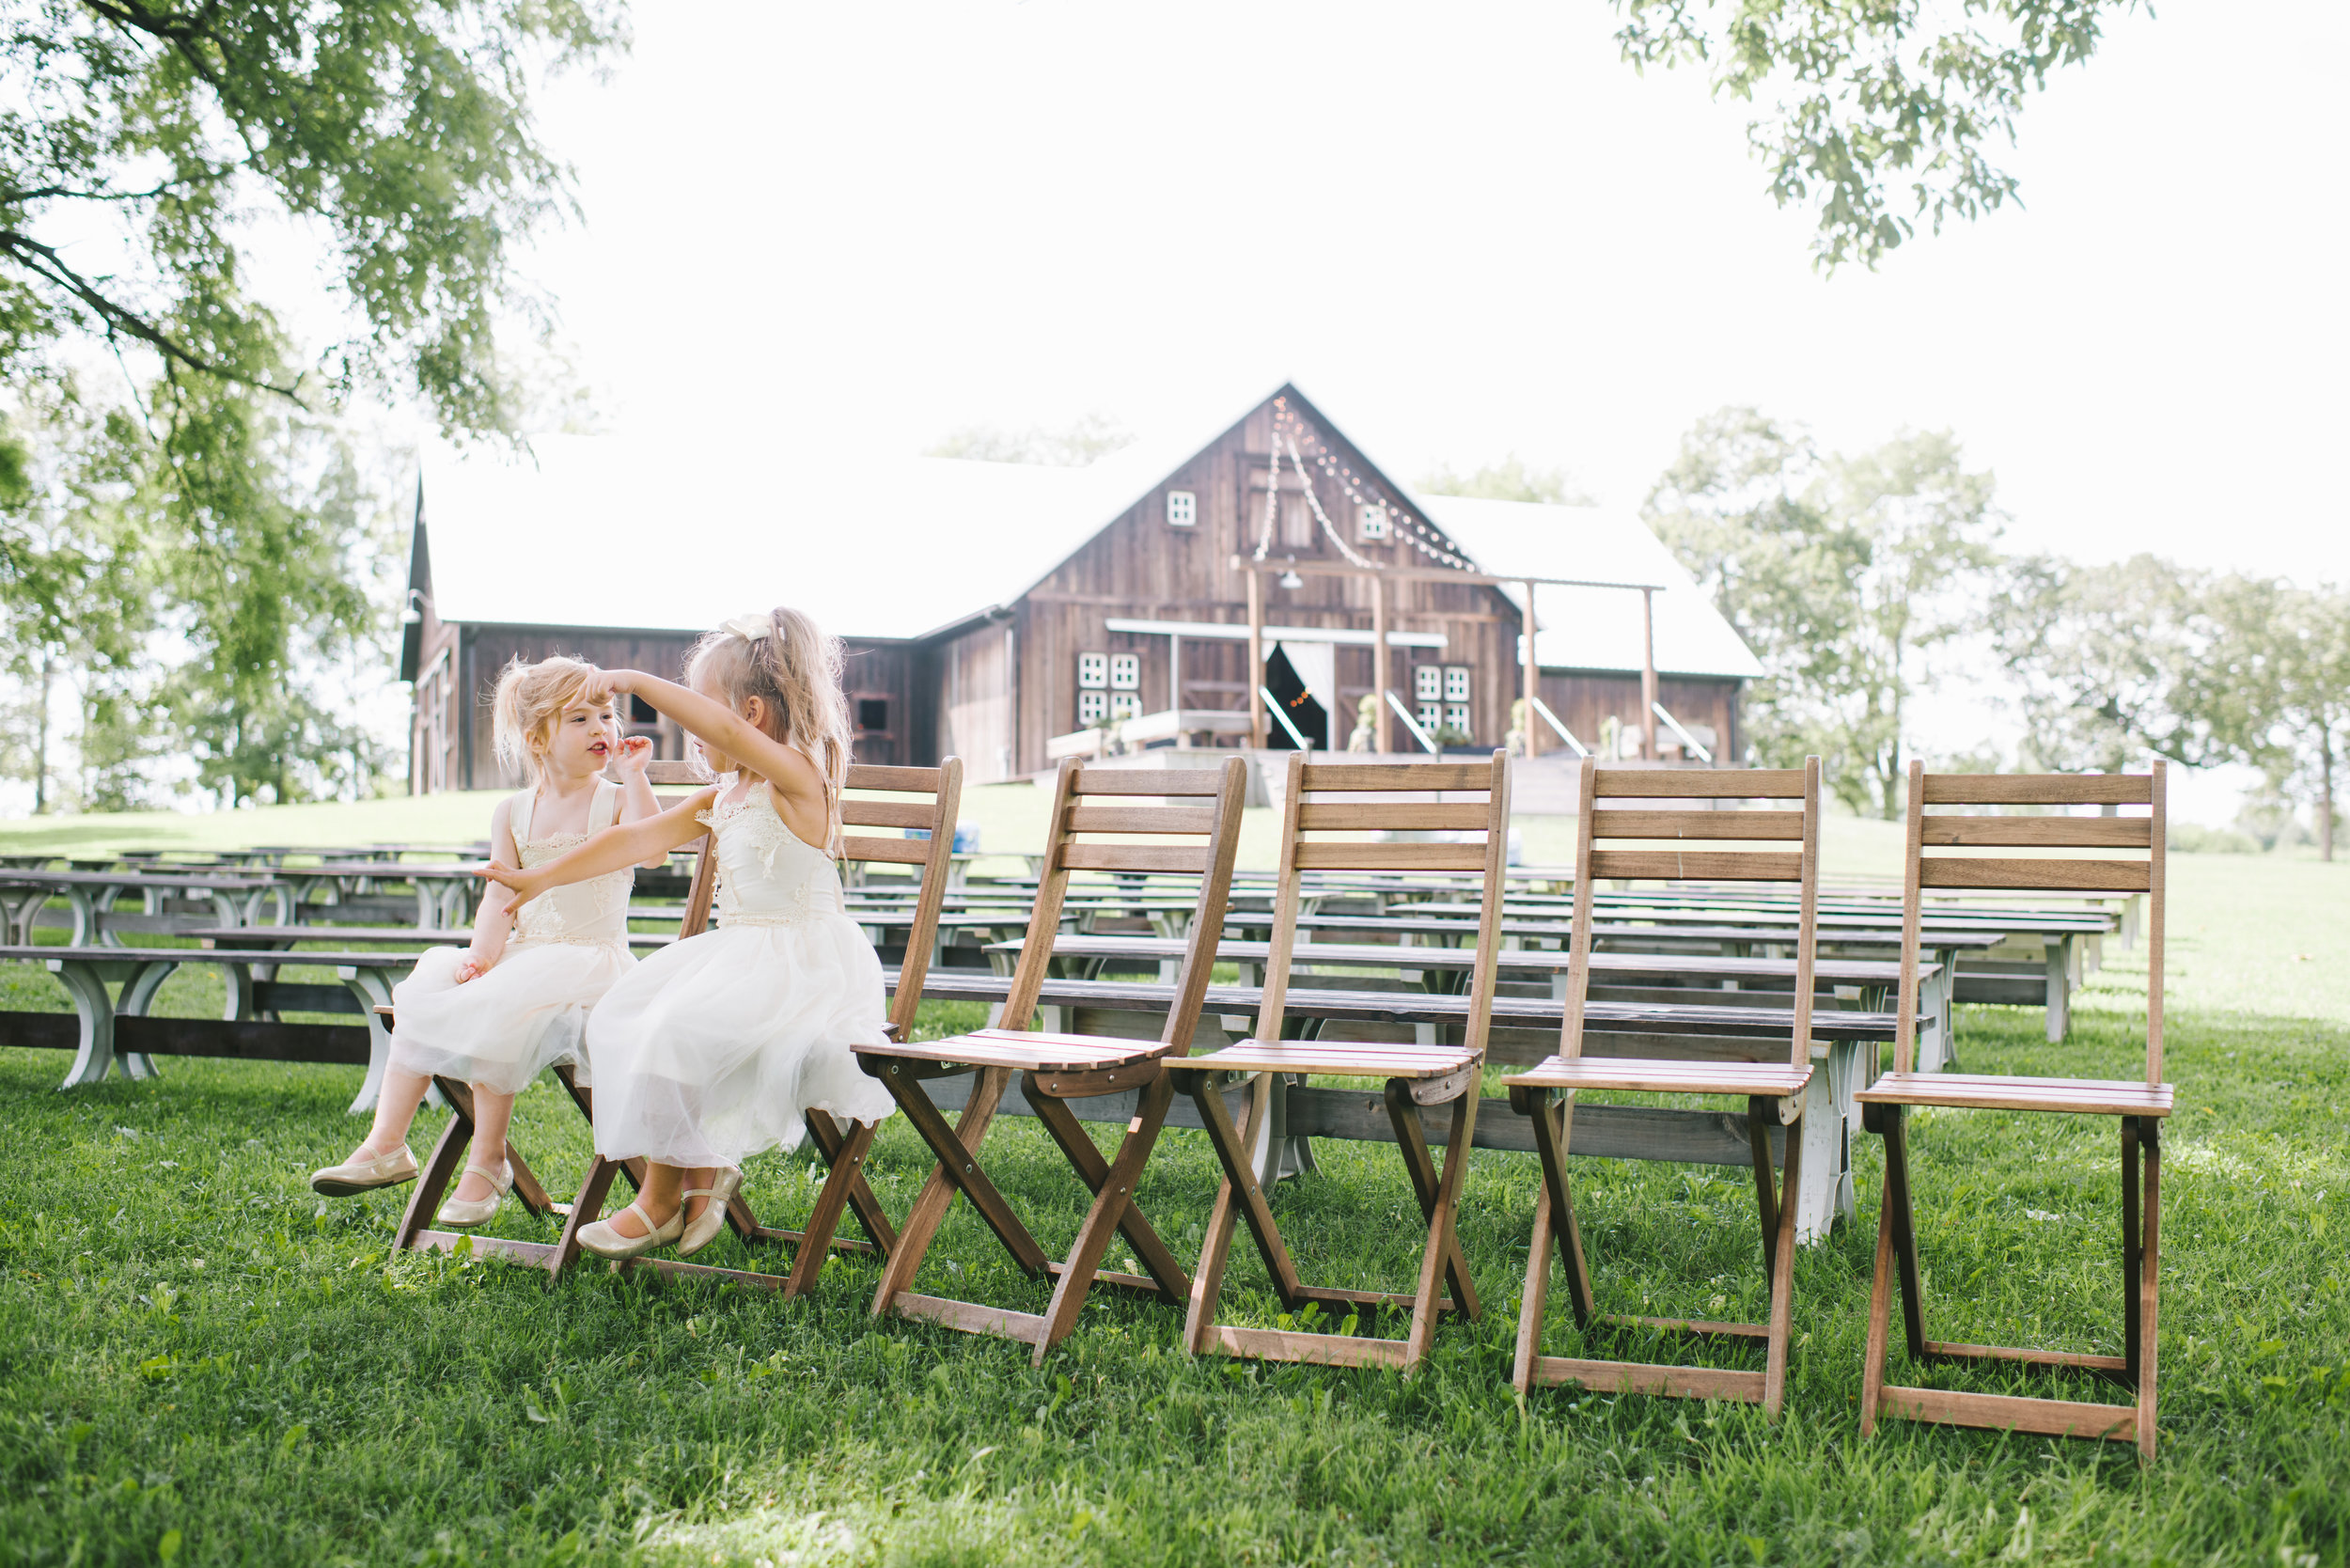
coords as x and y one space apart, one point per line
518 816
605 809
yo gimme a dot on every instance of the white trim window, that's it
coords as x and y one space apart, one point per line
1370 522
1125 672
1125 705
1182 508
1093 708
1094 672
1427 683
1456 716
1456 682
1430 716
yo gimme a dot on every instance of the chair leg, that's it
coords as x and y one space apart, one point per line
1442 1254
448 1152
1113 1201
956 1173
1061 1123
1554 1127
1241 1194
846 1177
1404 1116
1215 1248
1880 1319
1537 1297
1783 1261
1762 1115
2132 1233
830 1141
2147 1307
1904 1231
585 1210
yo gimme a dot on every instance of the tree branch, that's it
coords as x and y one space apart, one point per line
44 262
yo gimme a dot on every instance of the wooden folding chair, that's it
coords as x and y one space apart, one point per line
1774 1092
2141 1106
935 795
1411 1076
1202 816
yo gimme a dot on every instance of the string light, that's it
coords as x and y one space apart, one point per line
1410 528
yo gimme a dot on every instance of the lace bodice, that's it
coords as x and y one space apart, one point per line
592 911
767 875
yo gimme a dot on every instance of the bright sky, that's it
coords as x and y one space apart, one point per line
1462 229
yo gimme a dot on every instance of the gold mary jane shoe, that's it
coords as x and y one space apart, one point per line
465 1213
605 1242
712 1218
355 1176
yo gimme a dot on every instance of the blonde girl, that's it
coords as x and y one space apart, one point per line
715 1049
496 1012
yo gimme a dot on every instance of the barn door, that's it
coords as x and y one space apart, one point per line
1302 678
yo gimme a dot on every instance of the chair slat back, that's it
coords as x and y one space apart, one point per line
1390 797
705 883
2112 854
1191 817
929 800
1602 831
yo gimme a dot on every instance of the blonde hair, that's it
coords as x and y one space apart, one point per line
794 666
530 698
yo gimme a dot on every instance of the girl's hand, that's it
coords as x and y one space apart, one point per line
526 885
635 754
470 968
601 683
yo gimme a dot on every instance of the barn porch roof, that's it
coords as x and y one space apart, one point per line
904 547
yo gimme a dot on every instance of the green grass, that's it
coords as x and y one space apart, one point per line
201 1362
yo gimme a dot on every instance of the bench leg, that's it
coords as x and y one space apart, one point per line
2060 988
138 994
373 989
95 1011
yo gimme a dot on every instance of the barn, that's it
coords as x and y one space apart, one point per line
1244 582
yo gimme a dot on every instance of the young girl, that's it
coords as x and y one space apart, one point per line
715 1049
517 999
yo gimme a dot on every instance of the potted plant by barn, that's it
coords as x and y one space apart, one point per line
1456 742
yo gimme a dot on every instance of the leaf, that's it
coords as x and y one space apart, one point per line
291 1440
531 1411
168 1549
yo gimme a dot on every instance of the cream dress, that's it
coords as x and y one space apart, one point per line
530 1009
716 1047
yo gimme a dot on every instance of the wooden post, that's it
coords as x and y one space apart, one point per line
1534 678
1648 674
1381 737
1256 657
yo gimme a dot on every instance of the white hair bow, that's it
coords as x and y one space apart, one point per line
750 628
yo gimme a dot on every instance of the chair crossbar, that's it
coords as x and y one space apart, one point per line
2109 876
1130 857
1417 816
894 851
1199 819
1698 783
2038 789
887 813
1698 864
1203 782
1396 778
1326 856
1696 824
2037 832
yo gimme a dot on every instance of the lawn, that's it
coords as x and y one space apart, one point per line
201 1362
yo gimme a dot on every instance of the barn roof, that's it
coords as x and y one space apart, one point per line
572 535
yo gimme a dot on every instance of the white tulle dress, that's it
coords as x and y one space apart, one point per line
715 1048
530 1009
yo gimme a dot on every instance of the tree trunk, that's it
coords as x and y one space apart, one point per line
41 741
2325 797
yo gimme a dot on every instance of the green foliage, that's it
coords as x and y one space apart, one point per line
1510 479
1861 100
1092 436
399 131
2098 652
2272 686
1842 573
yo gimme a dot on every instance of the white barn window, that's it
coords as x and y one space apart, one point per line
1456 682
1372 522
1093 671
1182 508
1456 716
1125 672
1093 708
1427 683
1125 705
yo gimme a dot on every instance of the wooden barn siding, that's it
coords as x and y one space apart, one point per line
1582 698
971 675
1139 568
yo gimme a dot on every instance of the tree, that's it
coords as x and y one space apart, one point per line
2098 653
1862 97
2272 686
1092 436
1507 480
1842 573
399 131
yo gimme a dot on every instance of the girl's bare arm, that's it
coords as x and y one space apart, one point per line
785 769
637 800
493 921
625 844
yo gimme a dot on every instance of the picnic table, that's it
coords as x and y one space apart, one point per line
91 895
445 890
